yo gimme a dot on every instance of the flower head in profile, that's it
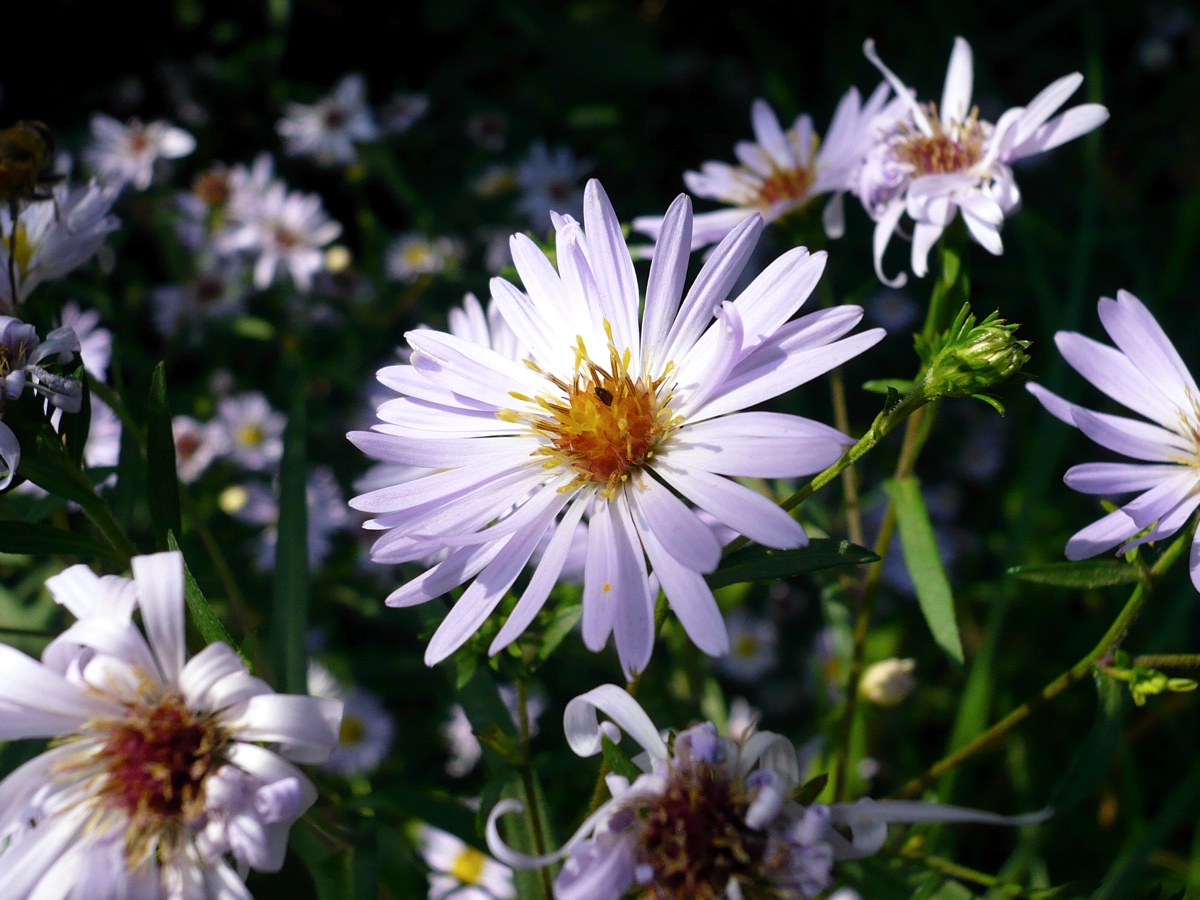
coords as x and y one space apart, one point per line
934 161
1145 374
126 154
328 129
783 171
158 783
709 817
457 871
54 238
610 419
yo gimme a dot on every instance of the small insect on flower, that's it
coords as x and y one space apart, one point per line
26 174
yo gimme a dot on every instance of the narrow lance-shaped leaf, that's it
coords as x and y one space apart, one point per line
925 564
290 586
760 563
1088 573
162 483
207 623
35 539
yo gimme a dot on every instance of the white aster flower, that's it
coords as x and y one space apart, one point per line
783 171
655 835
197 445
549 181
95 342
125 154
1145 374
253 430
157 785
935 161
753 646
606 418
460 872
286 230
367 727
54 238
247 188
328 129
412 255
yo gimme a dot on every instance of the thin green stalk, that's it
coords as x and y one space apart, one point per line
964 873
1168 660
1079 671
532 814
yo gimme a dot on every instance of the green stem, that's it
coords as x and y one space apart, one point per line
532 814
954 870
1079 671
1168 660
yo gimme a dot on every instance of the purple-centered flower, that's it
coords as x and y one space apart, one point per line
605 419
1145 374
933 162
709 816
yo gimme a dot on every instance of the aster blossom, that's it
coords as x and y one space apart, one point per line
933 161
157 785
328 129
125 154
604 419
783 171
1145 374
709 817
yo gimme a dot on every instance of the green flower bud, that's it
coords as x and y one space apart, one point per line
970 358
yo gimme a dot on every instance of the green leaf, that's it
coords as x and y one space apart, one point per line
34 539
207 623
290 584
618 760
762 563
162 483
560 626
887 385
1089 573
505 745
75 426
925 564
254 328
809 791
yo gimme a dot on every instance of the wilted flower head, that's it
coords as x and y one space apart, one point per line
783 171
606 395
125 154
158 777
328 129
934 160
708 817
54 238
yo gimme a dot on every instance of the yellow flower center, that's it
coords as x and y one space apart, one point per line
352 732
746 646
948 150
468 866
20 247
605 424
785 185
250 435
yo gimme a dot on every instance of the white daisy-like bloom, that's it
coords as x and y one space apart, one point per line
549 180
217 291
656 834
253 430
327 514
367 727
935 161
288 230
54 238
327 130
197 445
248 186
753 646
783 171
201 211
126 154
400 113
412 255
1145 374
605 418
457 871
23 357
157 784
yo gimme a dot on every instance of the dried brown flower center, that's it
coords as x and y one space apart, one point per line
948 150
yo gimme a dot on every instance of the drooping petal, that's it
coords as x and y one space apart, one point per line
583 729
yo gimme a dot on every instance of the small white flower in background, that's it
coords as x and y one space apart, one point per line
253 430
889 681
203 209
400 113
53 239
830 661
656 833
494 180
247 188
460 872
367 727
753 646
412 255
125 154
488 129
935 161
327 130
601 399
287 230
157 776
1145 374
549 181
197 445
783 171
893 310
217 291
327 513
